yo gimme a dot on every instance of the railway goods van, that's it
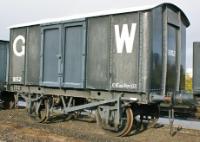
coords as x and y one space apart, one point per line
3 67
114 66
196 76
3 62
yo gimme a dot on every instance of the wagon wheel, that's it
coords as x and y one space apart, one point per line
9 100
155 116
152 117
125 126
197 113
10 104
58 103
39 110
66 103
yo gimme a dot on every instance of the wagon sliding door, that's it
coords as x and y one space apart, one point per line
74 55
50 66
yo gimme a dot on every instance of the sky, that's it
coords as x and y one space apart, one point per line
22 11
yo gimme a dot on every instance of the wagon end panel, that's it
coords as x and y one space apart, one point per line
183 58
157 49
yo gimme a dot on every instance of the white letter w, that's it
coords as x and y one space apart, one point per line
125 37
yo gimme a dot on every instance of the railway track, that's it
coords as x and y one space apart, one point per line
16 126
188 112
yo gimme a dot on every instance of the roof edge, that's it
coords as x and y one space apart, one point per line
183 14
99 13
4 41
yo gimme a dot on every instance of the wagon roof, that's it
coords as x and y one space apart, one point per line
100 13
4 41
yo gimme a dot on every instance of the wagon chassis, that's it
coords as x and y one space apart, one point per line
113 111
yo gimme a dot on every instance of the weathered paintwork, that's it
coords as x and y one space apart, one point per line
25 55
139 51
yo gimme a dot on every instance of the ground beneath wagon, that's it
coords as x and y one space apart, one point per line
16 126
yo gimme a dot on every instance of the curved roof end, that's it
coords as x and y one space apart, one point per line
186 20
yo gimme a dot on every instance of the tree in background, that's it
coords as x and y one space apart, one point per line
188 83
